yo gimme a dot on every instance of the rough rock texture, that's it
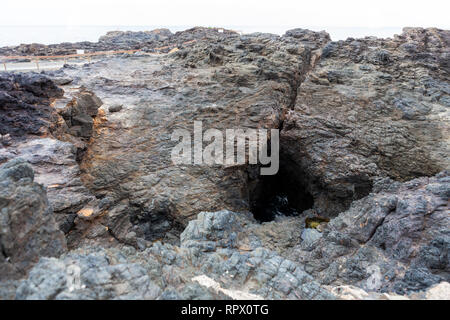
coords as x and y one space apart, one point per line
114 40
24 104
397 239
237 82
370 107
129 39
219 258
161 40
27 226
211 245
337 136
49 131
359 208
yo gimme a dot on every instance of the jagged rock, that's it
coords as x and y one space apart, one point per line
243 82
87 277
79 113
134 40
310 236
394 240
165 271
370 107
192 271
24 104
27 226
358 118
33 129
439 292
115 108
209 229
62 81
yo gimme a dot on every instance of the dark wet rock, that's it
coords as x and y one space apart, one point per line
27 226
369 109
24 104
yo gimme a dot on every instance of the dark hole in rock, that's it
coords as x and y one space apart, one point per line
159 224
282 194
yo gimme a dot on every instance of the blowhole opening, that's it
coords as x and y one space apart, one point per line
282 194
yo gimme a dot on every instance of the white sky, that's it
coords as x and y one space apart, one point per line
320 13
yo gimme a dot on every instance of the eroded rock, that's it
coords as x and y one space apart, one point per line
370 107
358 118
27 226
393 240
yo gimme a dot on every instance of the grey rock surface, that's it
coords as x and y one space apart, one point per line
393 240
50 129
364 135
310 236
370 107
234 82
27 226
164 271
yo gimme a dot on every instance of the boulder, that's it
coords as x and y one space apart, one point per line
27 225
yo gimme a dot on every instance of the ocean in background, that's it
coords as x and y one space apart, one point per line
15 35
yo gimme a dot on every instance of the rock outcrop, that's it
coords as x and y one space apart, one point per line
25 104
160 40
220 257
396 239
210 246
51 132
358 209
238 82
27 226
370 107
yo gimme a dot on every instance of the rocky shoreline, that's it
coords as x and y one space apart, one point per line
93 208
158 40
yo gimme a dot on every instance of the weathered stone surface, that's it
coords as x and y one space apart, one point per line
79 113
196 270
237 82
359 119
24 104
394 240
40 126
27 225
161 39
370 107
115 108
165 271
132 40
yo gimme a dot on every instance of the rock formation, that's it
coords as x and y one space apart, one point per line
371 107
27 226
358 209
